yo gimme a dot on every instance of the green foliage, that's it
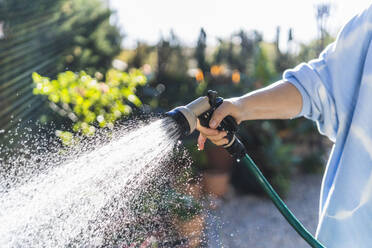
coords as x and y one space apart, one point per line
159 206
311 50
66 137
264 68
89 102
200 51
171 57
272 154
167 202
181 206
50 36
238 51
281 160
312 163
93 40
141 53
76 34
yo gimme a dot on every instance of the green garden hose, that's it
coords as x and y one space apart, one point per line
280 205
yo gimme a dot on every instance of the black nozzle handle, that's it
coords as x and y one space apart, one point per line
228 124
234 146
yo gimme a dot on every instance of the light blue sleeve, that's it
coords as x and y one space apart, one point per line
315 85
328 84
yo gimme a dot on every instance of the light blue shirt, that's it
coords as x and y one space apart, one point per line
336 90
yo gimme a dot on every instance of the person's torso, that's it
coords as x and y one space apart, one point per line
346 203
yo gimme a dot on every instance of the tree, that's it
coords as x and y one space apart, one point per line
264 70
238 52
164 51
49 36
141 53
322 15
200 51
93 41
171 57
284 60
172 74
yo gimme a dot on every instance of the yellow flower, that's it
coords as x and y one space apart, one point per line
217 70
235 77
199 76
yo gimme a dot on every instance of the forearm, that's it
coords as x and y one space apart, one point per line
280 100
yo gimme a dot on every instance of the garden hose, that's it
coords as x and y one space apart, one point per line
280 205
202 109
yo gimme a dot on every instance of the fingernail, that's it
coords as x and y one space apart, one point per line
213 124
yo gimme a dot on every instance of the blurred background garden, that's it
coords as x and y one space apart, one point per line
71 65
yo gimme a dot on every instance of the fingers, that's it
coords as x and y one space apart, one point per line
219 114
218 139
205 130
201 141
220 142
208 131
215 136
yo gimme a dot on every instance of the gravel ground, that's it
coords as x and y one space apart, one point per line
249 221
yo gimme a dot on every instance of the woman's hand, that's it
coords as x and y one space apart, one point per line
228 107
280 100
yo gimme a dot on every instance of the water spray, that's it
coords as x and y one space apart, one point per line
202 109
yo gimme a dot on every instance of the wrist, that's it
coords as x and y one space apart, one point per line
245 106
237 109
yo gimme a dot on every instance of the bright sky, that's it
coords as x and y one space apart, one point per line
146 20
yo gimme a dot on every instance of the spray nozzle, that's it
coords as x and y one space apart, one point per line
202 109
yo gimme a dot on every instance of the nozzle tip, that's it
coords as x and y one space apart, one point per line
181 120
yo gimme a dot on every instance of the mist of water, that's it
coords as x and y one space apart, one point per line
77 197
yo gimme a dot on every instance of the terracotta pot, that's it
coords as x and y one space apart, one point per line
216 183
192 230
219 159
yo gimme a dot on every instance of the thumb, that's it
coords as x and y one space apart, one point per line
218 115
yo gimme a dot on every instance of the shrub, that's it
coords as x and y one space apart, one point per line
88 102
183 207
